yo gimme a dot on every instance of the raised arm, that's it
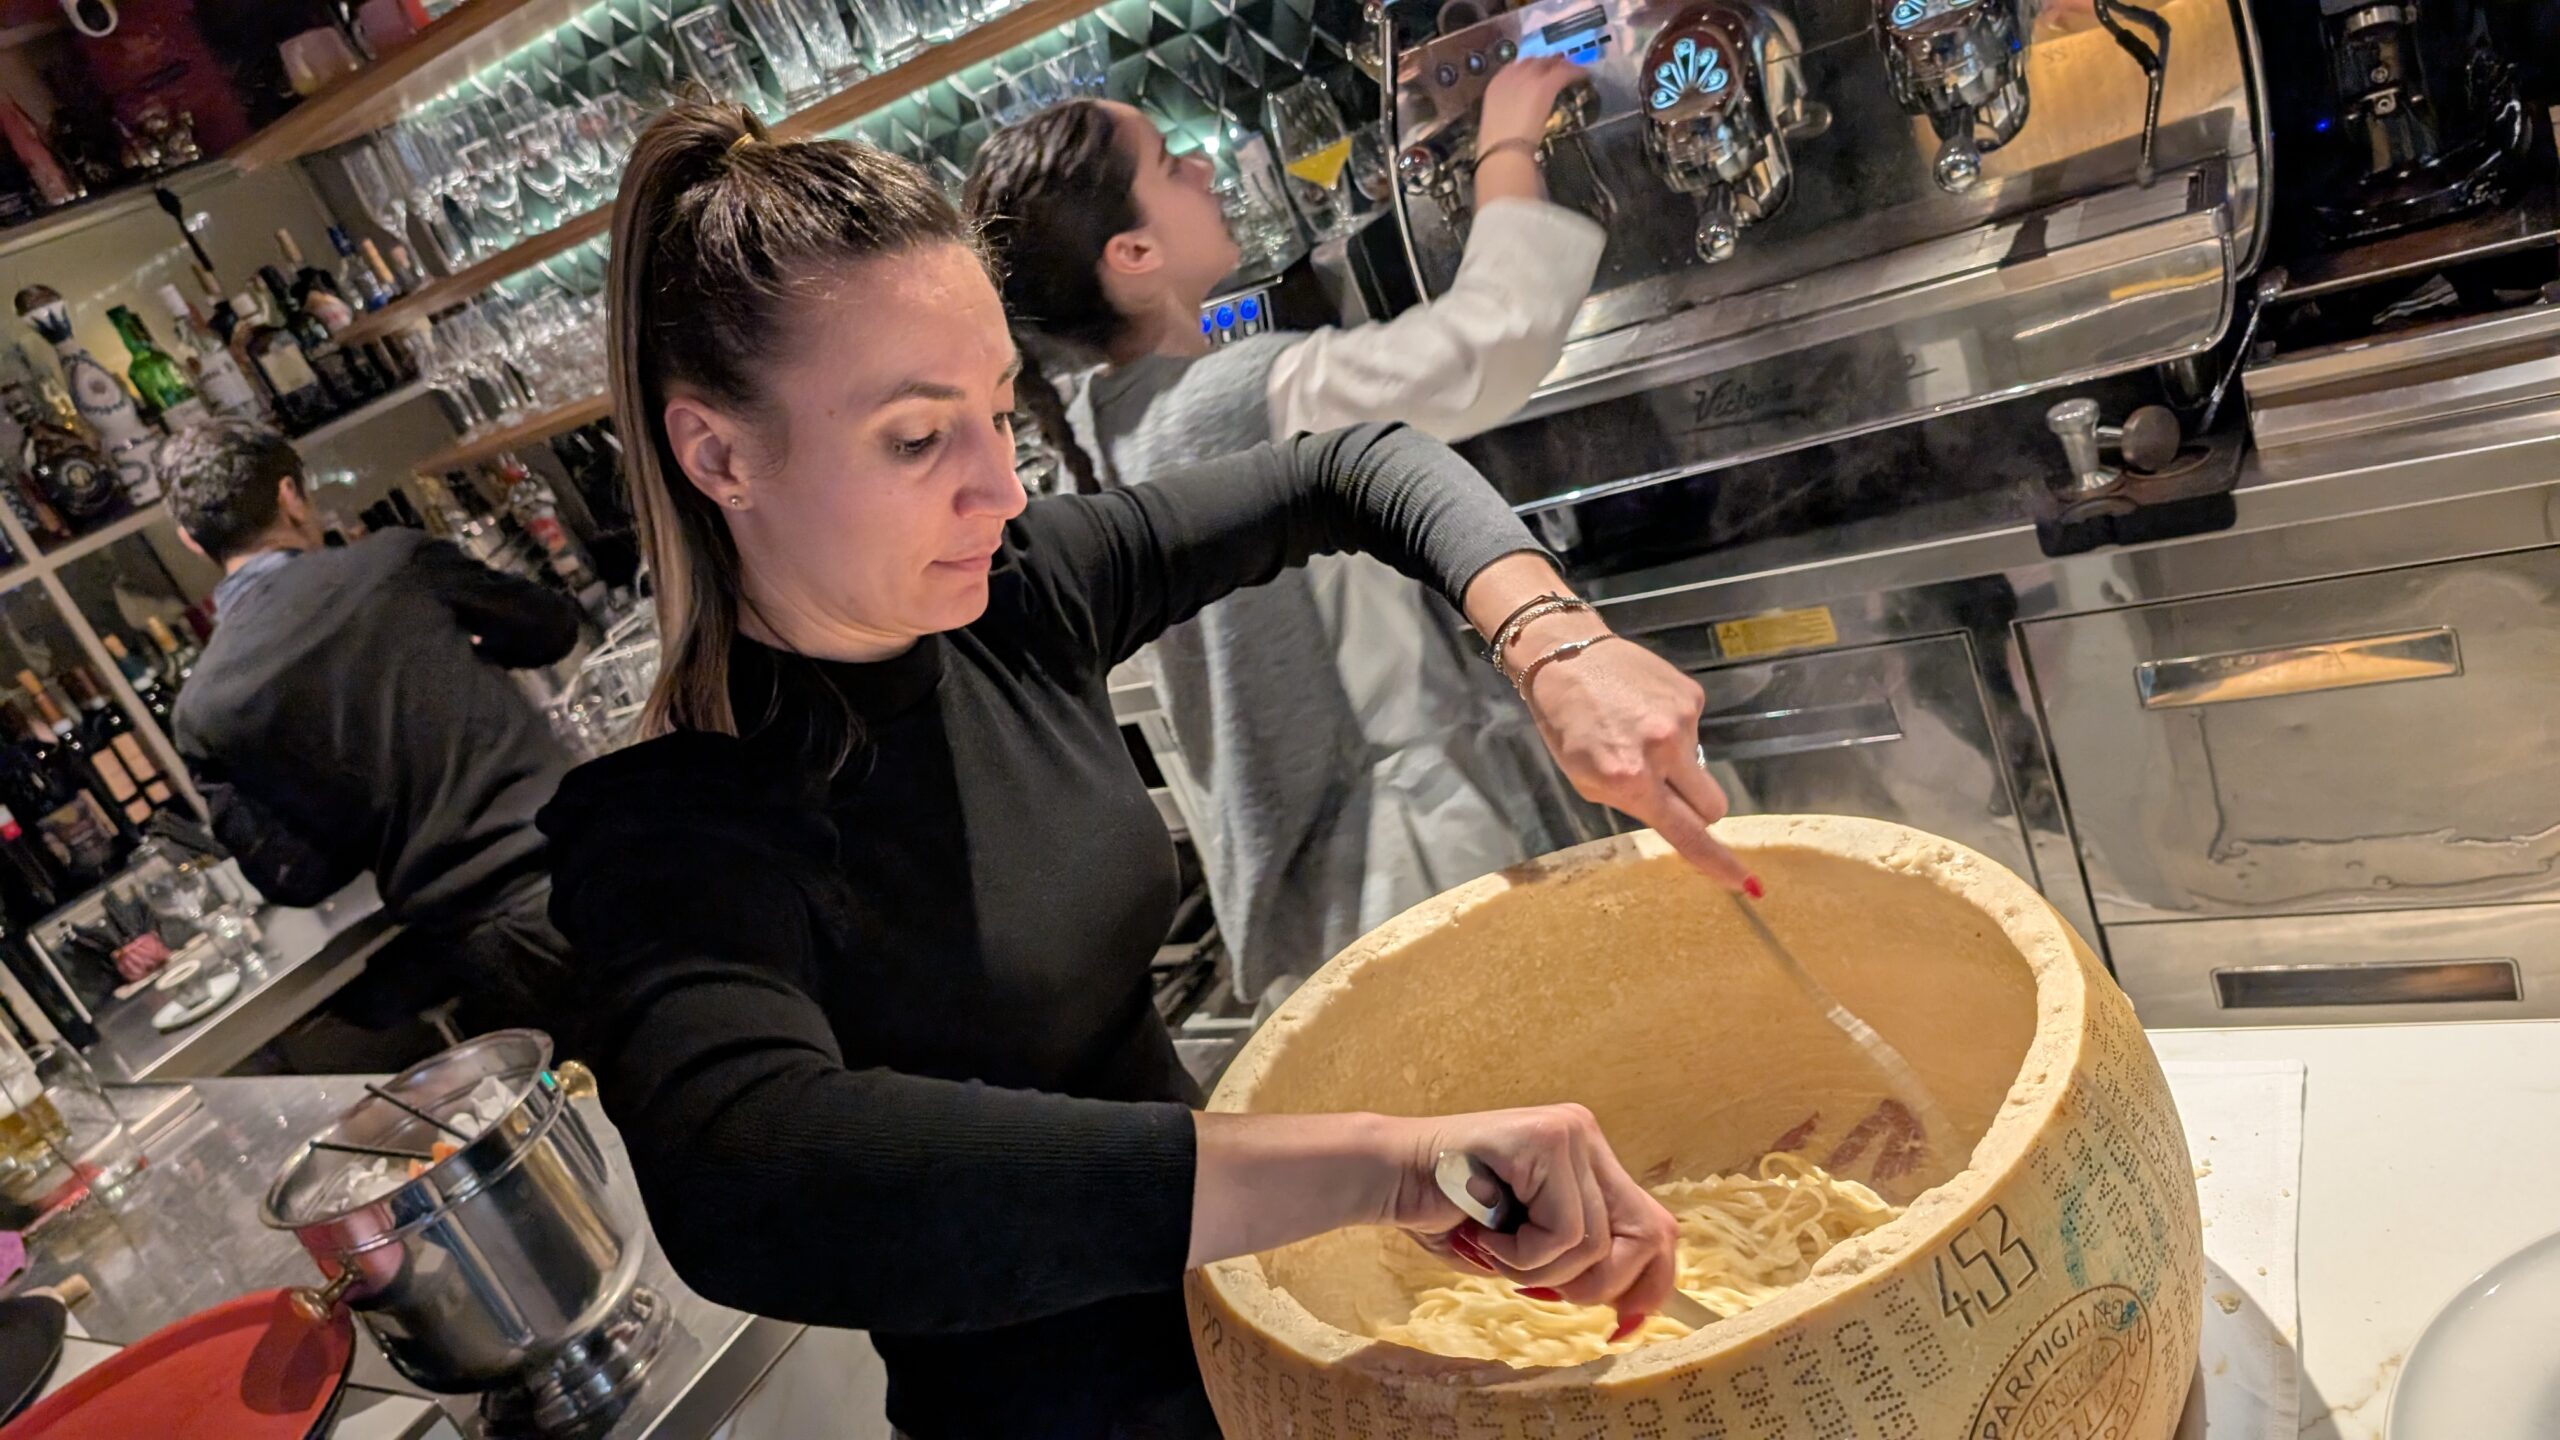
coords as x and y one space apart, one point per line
1469 359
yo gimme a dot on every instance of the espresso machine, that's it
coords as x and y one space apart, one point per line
1831 217
2401 164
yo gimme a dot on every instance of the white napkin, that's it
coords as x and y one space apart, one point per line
2244 1130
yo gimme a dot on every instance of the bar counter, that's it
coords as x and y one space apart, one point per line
189 1237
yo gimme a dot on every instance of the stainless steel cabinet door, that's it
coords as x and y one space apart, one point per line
1893 732
2372 742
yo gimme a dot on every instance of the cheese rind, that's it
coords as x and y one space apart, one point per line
2045 1284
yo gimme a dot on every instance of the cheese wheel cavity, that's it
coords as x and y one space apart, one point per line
2044 1280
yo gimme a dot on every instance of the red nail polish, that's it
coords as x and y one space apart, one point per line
1471 1250
1540 1292
1628 1324
1752 887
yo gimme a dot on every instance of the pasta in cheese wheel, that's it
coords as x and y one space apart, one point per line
2041 1278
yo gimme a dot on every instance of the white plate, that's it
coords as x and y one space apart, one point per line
183 1012
2488 1367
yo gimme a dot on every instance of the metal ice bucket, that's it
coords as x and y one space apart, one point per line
498 1258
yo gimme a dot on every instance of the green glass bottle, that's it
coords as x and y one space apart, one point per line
157 378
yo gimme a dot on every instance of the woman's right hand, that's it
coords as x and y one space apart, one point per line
1518 98
1593 1236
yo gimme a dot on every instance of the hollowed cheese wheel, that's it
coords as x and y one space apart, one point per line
2046 1282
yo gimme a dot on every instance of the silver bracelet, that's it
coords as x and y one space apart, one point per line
1537 609
1565 651
1518 142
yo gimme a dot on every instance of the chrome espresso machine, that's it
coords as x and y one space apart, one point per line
1830 217
2124 438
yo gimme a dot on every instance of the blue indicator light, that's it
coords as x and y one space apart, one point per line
2321 124
1252 308
1226 316
1206 328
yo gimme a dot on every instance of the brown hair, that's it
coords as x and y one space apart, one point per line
1047 195
717 232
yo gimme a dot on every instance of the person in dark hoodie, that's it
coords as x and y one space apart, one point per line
353 712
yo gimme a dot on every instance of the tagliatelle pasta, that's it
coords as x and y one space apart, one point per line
1743 1239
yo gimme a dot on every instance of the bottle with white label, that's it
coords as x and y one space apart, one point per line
219 379
132 446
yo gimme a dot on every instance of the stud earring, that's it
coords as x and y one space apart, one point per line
737 502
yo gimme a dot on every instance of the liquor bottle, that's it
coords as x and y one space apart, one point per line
145 680
99 396
356 277
34 509
69 1014
382 272
537 509
20 201
92 765
177 662
55 185
336 366
302 398
404 266
65 812
159 380
218 377
108 731
66 471
31 886
335 307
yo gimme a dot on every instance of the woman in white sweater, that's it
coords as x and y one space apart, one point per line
1358 755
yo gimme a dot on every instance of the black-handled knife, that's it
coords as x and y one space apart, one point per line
1466 1180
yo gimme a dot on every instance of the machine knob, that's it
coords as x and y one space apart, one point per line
1718 236
2075 422
2148 440
1959 162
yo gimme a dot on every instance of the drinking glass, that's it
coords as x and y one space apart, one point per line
894 29
778 36
1315 152
30 1129
831 49
94 1140
418 165
713 56
1254 196
370 177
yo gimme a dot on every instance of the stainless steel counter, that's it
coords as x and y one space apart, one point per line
2311 846
189 1237
308 955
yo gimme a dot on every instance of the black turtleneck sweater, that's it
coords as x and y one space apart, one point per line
881 1041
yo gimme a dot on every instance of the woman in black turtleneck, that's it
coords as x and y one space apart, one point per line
865 929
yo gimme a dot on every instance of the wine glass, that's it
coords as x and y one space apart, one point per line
370 177
831 48
1315 152
778 36
713 56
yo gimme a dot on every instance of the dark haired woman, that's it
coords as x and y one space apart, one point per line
1355 757
865 928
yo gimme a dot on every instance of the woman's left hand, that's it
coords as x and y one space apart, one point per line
1623 722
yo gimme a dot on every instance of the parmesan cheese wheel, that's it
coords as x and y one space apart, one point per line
2046 1282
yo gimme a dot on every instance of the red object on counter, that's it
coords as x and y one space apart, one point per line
247 1369
158 55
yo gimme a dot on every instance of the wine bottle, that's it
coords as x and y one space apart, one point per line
109 732
218 377
92 765
159 380
177 662
99 396
30 884
145 680
335 365
75 828
302 397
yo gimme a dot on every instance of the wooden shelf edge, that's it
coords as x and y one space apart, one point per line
938 64
96 540
531 430
440 295
842 108
475 34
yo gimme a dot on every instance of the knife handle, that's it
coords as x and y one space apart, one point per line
1462 1176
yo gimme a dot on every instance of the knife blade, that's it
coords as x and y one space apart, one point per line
1466 1180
